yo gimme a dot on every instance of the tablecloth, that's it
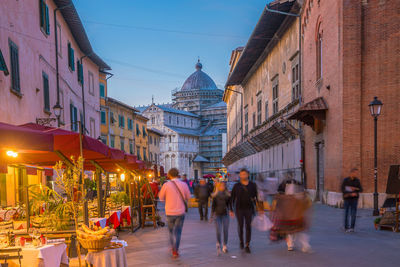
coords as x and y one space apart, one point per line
46 256
108 258
101 222
114 218
125 214
6 215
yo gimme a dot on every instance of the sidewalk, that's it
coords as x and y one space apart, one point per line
332 247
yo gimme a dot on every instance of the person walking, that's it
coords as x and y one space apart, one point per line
351 189
220 208
175 193
244 200
202 193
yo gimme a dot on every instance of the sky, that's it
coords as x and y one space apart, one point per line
152 45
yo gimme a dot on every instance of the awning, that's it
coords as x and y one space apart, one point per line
310 111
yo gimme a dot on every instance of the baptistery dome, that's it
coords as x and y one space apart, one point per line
199 80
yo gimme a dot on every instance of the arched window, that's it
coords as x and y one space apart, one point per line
319 52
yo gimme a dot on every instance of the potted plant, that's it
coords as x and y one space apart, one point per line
376 222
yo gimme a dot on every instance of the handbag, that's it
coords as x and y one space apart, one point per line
180 194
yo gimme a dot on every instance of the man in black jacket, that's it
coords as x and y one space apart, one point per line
351 188
202 193
244 198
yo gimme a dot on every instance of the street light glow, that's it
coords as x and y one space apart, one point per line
11 153
123 177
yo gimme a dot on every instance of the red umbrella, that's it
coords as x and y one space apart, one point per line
207 176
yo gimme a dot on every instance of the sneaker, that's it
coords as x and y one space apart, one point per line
290 248
224 249
241 245
247 249
218 249
175 254
351 230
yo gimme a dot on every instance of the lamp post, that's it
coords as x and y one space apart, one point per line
57 112
375 108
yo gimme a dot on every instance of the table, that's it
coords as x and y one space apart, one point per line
115 257
114 218
46 256
101 222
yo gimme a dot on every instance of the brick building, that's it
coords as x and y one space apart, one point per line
350 54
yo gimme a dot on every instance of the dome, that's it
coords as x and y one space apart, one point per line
199 80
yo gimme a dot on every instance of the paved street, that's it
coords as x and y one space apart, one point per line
332 247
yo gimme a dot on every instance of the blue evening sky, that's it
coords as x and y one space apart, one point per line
152 46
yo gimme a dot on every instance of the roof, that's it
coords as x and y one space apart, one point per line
200 158
115 101
153 130
185 131
199 80
75 25
311 110
177 111
263 34
220 104
141 109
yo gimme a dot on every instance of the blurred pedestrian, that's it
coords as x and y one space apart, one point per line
351 189
175 193
220 209
244 200
202 193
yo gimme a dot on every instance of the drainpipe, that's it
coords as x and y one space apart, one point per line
56 44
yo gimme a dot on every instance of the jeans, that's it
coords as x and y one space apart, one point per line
350 209
244 217
222 221
175 225
203 206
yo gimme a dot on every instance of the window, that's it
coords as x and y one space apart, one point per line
153 120
137 130
170 138
3 66
295 81
169 119
121 121
92 125
246 121
275 97
319 53
59 42
91 83
130 146
103 117
74 117
144 154
112 141
150 140
138 153
122 143
103 139
259 111
44 17
46 92
62 118
14 59
184 122
266 110
112 120
130 124
151 157
144 131
191 123
102 90
254 120
80 72
71 57
177 120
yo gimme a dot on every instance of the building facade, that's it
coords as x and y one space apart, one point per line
350 55
154 140
265 76
30 54
141 137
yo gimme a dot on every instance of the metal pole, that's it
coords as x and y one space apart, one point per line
85 203
376 211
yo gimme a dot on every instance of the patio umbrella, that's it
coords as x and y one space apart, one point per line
207 176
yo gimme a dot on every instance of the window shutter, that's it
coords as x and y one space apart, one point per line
15 82
80 71
42 12
47 20
71 110
46 92
3 65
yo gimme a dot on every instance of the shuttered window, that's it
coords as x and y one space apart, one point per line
44 17
112 141
130 124
3 65
46 92
121 121
103 117
80 71
14 59
74 117
122 142
71 57
144 131
137 129
102 90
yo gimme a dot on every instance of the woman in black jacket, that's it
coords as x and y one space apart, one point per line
221 207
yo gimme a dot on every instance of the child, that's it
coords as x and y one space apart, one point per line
220 209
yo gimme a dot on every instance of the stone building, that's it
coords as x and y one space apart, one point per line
265 76
154 140
350 54
194 126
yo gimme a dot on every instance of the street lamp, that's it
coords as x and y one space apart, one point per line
375 108
57 112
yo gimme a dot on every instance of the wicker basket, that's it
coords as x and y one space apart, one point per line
94 245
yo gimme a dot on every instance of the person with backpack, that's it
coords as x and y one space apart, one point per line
175 193
244 200
220 209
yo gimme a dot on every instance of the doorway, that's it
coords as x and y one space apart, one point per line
320 171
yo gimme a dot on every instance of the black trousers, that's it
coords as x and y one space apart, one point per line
244 218
203 209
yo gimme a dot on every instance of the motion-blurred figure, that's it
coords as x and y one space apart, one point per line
202 193
351 188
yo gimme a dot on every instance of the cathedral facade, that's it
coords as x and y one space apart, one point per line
193 125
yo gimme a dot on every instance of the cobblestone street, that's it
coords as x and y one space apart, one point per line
332 247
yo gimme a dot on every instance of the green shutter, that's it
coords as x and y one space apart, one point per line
80 71
47 20
71 57
3 65
71 110
42 13
102 90
46 92
15 82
